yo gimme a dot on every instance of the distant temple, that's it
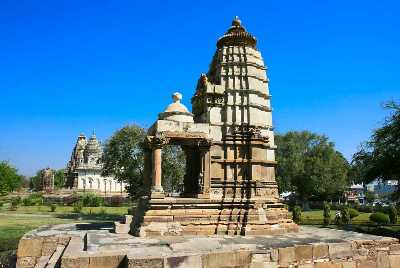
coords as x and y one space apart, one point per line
47 180
84 168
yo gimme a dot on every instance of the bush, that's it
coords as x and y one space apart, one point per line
34 199
92 200
366 209
393 214
353 213
53 207
379 218
71 199
297 214
116 201
15 202
78 206
327 213
345 215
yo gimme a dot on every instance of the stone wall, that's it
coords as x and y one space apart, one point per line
79 245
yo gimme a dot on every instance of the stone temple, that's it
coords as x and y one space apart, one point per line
228 140
84 169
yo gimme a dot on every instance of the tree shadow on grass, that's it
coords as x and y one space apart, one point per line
91 217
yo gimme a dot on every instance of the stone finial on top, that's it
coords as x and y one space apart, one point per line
236 21
176 106
177 97
176 111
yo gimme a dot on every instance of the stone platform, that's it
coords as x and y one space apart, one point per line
87 245
195 216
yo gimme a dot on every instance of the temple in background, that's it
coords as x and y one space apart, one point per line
84 169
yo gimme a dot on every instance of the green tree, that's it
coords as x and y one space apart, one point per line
379 157
35 181
59 178
123 158
309 165
10 180
173 167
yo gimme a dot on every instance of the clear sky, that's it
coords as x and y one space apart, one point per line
76 66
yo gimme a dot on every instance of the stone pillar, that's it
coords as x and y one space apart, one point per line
157 190
205 173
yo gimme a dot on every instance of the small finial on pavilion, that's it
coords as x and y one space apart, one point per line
236 21
177 97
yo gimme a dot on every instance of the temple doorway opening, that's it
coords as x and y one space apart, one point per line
173 169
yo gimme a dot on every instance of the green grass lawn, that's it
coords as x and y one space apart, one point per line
14 224
317 216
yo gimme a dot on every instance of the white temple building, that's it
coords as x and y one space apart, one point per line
84 168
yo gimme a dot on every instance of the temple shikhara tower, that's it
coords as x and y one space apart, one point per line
228 139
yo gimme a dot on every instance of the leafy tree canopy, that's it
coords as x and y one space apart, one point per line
379 157
10 180
309 165
123 158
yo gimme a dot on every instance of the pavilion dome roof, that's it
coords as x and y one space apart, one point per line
176 111
176 106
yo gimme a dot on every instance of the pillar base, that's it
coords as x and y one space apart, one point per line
157 195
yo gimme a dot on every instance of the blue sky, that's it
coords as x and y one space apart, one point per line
76 66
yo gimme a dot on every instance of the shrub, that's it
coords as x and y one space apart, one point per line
34 199
296 214
393 214
92 200
366 209
379 218
327 213
78 206
70 200
53 207
353 213
345 215
15 202
116 201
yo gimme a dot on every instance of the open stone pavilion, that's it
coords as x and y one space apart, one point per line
229 213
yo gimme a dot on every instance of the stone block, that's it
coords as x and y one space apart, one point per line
146 263
121 228
184 262
394 261
286 256
128 219
30 247
42 262
63 240
329 264
306 265
394 249
26 262
320 251
349 264
75 262
367 264
227 259
303 253
264 265
48 248
340 250
261 257
382 260
105 261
